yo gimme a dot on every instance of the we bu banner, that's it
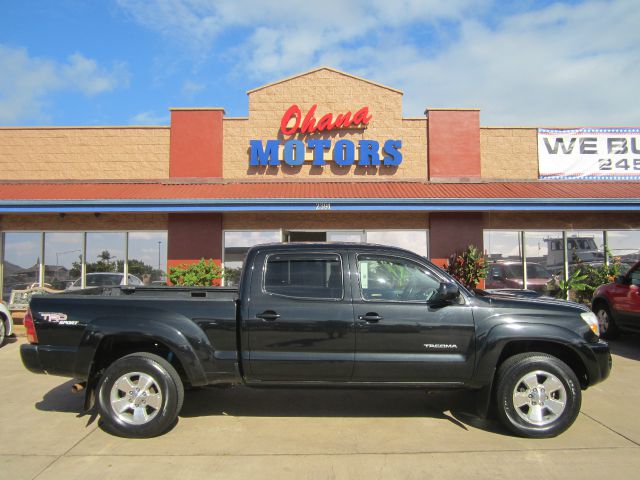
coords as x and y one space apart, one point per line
589 154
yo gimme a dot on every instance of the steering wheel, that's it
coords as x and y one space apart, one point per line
414 291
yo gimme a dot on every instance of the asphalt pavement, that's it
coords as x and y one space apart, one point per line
239 433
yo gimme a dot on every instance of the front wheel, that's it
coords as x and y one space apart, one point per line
140 395
538 395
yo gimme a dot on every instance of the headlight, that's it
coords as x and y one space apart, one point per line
592 321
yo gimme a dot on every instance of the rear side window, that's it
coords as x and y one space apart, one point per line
304 276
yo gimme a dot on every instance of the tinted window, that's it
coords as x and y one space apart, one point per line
396 279
304 276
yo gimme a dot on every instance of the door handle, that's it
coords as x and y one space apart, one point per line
268 315
370 317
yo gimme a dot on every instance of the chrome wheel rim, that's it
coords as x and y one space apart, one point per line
539 398
603 320
136 398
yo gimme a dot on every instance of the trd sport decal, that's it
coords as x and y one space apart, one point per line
59 318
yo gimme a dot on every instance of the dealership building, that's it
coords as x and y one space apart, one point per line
321 156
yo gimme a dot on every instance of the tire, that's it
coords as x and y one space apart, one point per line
143 413
608 328
2 330
537 395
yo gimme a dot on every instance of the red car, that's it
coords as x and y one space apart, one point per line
617 305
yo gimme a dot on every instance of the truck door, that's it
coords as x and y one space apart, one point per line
300 324
400 336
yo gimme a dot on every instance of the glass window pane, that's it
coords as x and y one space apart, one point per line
21 259
394 279
624 244
105 254
413 240
504 255
352 237
304 276
236 244
586 246
62 258
546 250
147 257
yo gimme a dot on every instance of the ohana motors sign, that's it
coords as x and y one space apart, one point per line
370 152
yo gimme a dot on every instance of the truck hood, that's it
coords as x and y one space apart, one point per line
511 298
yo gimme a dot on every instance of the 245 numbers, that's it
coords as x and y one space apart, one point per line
622 164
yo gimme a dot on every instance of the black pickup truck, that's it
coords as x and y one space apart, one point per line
317 316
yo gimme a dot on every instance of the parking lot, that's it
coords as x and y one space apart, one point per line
242 433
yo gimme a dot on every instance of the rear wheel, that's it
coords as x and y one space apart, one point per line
608 328
140 395
538 395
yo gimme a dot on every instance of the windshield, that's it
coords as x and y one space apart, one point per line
104 280
533 271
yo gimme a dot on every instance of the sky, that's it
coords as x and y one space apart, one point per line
126 62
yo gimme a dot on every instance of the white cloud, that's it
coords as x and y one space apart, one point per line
26 82
149 118
561 64
191 88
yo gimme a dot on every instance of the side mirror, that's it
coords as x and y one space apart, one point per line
621 280
448 292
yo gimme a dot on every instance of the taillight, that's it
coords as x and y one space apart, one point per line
30 327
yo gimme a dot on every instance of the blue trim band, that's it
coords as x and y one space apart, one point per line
339 204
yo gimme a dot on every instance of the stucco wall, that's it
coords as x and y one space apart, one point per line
84 153
509 153
333 93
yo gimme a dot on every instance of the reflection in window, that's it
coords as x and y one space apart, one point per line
545 249
236 245
394 279
304 276
585 246
21 262
105 252
62 258
147 257
341 236
624 244
413 240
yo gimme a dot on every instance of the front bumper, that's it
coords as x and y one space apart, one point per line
599 366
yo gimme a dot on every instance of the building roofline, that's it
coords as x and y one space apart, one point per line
262 87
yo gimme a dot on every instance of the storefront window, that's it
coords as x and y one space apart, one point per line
105 253
624 244
236 245
503 250
546 250
413 240
585 246
21 261
148 256
356 236
62 258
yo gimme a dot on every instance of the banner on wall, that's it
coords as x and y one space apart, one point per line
589 154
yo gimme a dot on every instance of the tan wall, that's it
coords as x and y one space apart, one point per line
509 153
325 221
333 93
85 222
561 220
84 153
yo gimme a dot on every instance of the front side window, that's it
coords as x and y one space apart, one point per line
395 279
304 276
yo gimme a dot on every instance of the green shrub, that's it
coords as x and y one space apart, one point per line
468 267
205 273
